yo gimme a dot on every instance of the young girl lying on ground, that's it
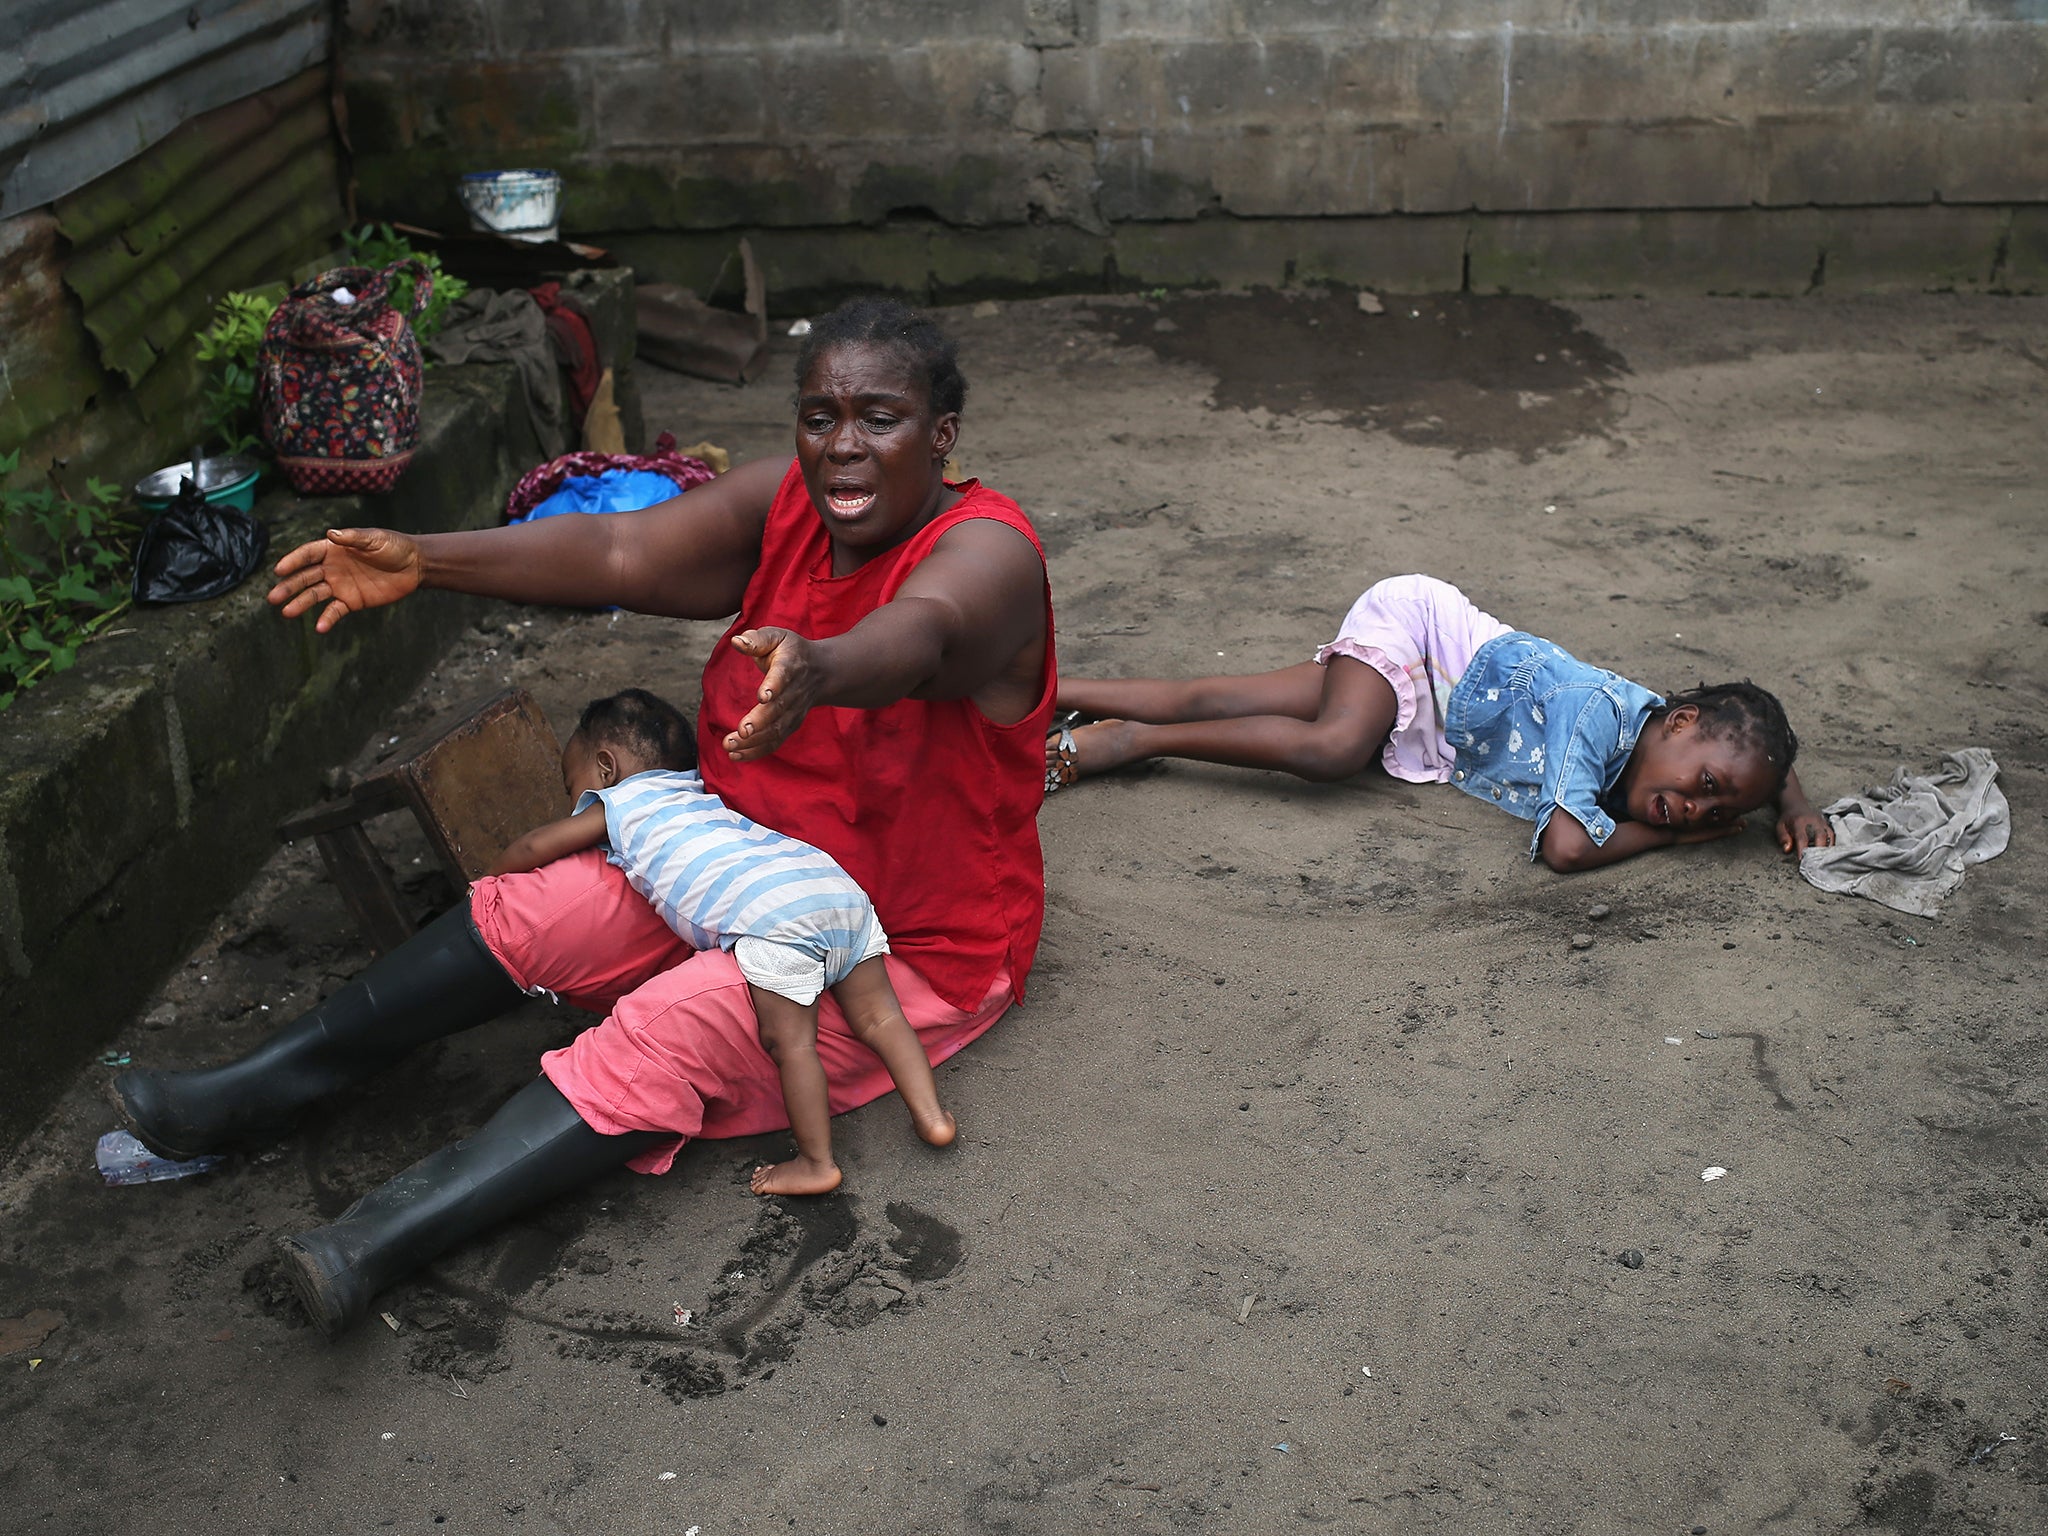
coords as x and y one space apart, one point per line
796 923
1444 693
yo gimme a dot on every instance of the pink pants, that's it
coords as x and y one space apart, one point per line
679 1049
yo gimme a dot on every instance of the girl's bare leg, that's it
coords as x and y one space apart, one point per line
1295 691
789 1033
1333 735
877 1021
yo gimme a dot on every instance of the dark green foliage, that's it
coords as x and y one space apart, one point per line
229 346
63 575
378 245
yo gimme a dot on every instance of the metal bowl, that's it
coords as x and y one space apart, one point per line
217 479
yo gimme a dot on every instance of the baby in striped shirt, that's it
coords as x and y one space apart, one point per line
795 922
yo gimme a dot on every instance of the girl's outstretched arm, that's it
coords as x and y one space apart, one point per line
1566 848
1800 826
556 840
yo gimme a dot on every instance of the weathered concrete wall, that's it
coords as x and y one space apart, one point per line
1011 142
139 791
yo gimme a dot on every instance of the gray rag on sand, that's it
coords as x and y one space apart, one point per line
485 326
1906 844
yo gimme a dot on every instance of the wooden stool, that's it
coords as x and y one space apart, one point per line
473 787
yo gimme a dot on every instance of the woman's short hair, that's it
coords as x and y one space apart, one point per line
875 321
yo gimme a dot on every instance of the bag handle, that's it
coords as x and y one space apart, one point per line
422 283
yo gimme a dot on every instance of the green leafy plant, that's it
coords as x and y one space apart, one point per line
229 345
63 563
379 245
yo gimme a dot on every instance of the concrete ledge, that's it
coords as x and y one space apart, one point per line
139 791
1672 253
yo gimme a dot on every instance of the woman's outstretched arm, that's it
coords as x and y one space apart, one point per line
687 558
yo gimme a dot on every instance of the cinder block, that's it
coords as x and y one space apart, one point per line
1879 156
1056 23
1803 71
1920 67
1607 254
694 100
505 114
1404 254
2025 269
899 23
933 94
1579 166
1142 178
959 188
1617 76
1993 155
412 27
1458 79
1017 260
714 187
681 25
90 783
523 28
1912 250
1286 175
1276 83
1672 13
808 270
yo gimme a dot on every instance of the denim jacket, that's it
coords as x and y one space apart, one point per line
1535 728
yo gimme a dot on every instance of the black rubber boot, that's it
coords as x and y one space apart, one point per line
438 982
535 1148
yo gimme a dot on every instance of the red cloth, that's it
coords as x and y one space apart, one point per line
575 349
679 1049
929 805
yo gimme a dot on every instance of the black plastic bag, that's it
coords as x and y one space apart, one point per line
195 549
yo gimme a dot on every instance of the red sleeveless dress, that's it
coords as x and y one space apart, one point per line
930 806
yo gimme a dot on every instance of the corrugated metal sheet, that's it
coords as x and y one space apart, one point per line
242 195
87 85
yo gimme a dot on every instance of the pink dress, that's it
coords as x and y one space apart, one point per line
1419 634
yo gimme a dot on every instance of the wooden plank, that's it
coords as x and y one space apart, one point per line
492 778
366 887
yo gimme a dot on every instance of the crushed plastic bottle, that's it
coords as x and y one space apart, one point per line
124 1160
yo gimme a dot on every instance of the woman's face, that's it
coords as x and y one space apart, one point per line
872 451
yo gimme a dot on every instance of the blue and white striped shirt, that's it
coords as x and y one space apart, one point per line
715 876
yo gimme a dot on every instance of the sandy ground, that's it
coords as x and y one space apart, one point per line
1296 1197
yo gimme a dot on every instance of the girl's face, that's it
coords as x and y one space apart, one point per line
1681 777
872 452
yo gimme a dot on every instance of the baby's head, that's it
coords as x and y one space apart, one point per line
1709 755
628 733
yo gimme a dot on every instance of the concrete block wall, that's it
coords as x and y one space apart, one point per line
679 118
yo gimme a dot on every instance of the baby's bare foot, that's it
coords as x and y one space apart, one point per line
937 1127
799 1176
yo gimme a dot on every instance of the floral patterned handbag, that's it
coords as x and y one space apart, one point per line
339 380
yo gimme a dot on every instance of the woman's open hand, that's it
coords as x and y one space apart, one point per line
791 680
349 570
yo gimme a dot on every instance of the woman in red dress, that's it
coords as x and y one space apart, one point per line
883 693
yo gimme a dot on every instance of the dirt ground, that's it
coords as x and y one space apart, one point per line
1322 1183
